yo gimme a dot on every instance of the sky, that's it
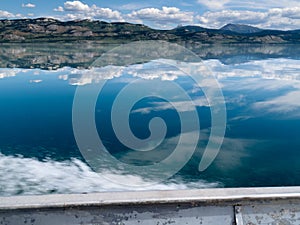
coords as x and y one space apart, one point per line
163 14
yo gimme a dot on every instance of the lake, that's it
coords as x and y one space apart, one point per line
142 103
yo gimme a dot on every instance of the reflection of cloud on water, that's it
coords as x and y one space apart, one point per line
264 95
181 106
89 76
240 84
282 69
161 71
240 118
74 176
35 81
6 72
164 150
271 86
231 155
144 71
12 72
277 78
232 152
287 103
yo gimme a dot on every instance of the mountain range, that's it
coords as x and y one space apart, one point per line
241 29
52 30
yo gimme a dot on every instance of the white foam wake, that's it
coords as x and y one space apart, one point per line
28 176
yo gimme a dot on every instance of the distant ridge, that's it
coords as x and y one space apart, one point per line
241 28
51 30
190 28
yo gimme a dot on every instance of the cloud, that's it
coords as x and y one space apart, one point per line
78 10
28 5
262 5
5 14
132 6
75 6
282 15
275 18
163 17
59 9
218 19
107 13
293 13
214 4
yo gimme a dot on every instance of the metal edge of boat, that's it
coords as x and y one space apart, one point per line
241 206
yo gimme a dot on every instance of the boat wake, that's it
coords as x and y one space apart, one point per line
29 176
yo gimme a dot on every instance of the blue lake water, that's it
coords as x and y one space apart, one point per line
39 153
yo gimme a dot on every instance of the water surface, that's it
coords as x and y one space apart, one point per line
39 154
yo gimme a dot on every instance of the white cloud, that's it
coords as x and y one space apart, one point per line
282 15
163 17
75 6
286 12
79 10
214 4
106 13
59 9
275 18
263 5
28 5
5 14
132 6
218 19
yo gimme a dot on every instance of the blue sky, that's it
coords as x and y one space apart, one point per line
163 14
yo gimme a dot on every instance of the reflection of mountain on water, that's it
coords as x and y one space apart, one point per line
236 54
81 55
51 55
